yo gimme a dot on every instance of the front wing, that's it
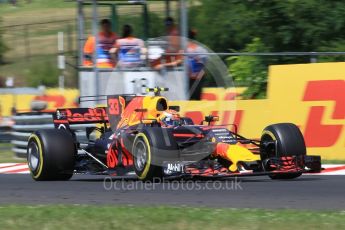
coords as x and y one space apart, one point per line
273 166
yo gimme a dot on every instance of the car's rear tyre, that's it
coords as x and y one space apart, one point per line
289 142
51 155
143 157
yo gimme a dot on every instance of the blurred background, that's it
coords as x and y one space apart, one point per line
42 57
28 34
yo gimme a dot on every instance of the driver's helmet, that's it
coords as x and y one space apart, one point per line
170 118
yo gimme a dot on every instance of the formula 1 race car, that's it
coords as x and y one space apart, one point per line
147 136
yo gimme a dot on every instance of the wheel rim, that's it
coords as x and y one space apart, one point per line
33 156
140 155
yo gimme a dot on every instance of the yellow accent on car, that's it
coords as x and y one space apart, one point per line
34 136
150 103
270 134
237 153
148 162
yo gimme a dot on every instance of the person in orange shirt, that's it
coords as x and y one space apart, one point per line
173 46
106 39
129 49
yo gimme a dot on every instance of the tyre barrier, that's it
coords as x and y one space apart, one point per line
27 123
5 134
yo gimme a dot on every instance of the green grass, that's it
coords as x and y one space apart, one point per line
7 156
22 6
132 217
44 10
25 70
42 38
333 161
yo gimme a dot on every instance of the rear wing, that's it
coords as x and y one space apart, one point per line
112 114
64 117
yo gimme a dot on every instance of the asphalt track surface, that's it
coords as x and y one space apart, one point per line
306 192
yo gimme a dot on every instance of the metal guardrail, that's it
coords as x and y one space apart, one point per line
26 124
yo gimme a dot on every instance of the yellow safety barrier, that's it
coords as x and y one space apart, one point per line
54 97
309 95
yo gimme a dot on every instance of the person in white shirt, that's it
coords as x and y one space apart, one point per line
129 49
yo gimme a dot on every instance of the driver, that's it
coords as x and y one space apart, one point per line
169 118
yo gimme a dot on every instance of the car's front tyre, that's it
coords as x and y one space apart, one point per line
143 157
289 142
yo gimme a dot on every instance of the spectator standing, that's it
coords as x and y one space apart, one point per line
106 39
196 66
171 28
173 46
129 49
